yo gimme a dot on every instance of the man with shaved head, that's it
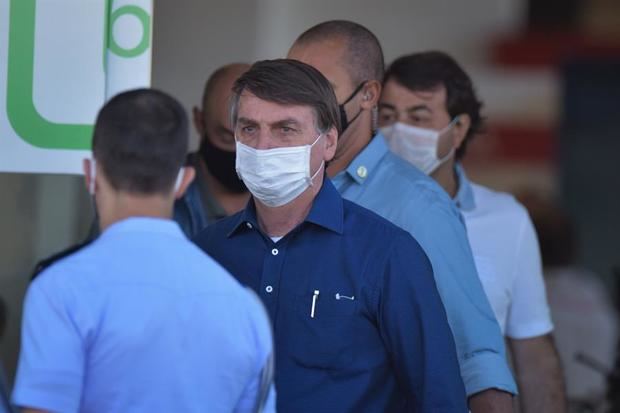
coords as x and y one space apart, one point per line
366 172
217 191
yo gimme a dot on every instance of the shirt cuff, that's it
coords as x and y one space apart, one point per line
487 370
530 330
51 392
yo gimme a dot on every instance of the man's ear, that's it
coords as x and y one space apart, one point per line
187 176
331 142
199 121
461 127
371 92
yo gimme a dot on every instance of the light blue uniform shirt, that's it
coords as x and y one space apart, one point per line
382 182
141 320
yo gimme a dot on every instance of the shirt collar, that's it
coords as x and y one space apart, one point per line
327 211
367 161
465 195
145 224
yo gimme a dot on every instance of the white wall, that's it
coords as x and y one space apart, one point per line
194 37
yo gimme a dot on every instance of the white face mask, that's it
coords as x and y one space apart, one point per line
276 176
418 146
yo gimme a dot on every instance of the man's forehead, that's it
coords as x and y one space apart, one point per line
252 107
437 93
222 89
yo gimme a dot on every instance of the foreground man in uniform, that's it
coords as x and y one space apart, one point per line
140 319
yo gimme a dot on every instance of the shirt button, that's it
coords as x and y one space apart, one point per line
362 172
247 224
274 251
269 289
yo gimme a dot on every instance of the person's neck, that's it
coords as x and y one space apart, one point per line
123 206
445 176
351 143
231 202
279 221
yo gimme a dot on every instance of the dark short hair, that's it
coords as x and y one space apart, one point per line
140 141
429 70
363 55
289 82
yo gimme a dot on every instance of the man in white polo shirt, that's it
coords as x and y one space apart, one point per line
141 320
428 112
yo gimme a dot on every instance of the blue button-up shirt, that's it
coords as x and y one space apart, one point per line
141 320
358 323
384 183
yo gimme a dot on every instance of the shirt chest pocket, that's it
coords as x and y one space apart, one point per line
325 332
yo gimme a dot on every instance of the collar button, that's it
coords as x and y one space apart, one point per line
362 172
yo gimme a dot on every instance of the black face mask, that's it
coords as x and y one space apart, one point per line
344 122
221 164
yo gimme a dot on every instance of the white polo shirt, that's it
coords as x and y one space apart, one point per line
507 256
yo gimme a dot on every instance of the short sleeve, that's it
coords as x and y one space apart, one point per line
529 314
51 363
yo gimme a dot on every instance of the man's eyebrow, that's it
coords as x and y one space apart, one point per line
286 122
247 121
387 106
416 108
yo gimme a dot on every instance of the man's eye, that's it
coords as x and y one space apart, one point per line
417 119
385 118
286 129
248 129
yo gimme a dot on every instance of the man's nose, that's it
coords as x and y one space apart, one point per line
264 140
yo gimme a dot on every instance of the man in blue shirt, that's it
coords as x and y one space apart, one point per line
141 320
358 322
366 172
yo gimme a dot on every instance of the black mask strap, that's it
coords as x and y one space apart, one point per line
344 122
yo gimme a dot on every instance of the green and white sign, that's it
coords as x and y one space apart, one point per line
59 62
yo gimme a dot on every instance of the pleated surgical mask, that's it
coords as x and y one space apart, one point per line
418 146
276 176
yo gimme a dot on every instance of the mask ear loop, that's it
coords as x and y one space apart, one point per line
452 150
309 156
93 176
179 180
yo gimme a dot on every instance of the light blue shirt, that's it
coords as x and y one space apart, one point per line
382 182
141 320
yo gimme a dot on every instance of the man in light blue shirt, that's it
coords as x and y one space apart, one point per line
366 172
141 320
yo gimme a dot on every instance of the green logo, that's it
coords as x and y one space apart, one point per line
22 113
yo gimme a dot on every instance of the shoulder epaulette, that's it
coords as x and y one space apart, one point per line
47 262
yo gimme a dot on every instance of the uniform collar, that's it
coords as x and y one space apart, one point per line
465 195
367 161
327 211
144 224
